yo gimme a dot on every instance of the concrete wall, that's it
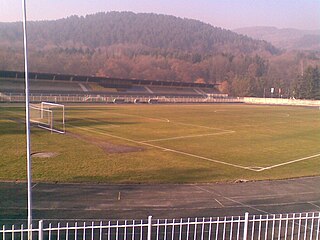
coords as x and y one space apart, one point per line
282 101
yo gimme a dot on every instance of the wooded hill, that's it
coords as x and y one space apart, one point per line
287 38
152 46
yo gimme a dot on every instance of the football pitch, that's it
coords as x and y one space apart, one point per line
165 144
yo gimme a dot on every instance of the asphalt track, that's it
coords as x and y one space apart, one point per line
104 201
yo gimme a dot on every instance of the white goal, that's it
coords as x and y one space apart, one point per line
49 116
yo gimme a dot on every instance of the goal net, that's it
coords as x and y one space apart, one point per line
49 116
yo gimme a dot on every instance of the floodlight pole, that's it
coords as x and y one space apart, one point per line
29 176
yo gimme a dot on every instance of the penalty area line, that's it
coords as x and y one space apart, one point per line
201 126
132 115
168 149
289 162
187 136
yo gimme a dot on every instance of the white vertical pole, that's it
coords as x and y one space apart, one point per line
149 227
246 223
27 113
40 234
63 119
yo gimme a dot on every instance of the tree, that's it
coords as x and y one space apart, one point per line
308 85
224 87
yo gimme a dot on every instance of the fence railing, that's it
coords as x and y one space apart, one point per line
283 101
278 226
56 98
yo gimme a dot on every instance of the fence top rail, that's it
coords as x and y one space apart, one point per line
97 226
18 230
285 217
314 216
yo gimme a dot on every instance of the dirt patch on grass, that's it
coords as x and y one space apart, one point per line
44 154
107 147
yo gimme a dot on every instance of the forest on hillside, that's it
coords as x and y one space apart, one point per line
151 46
285 38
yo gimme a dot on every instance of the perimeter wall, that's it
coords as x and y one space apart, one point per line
282 101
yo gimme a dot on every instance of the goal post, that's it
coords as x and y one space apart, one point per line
49 116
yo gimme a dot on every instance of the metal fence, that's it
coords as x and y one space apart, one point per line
279 226
57 98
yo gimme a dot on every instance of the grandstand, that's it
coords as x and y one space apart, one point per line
40 86
12 82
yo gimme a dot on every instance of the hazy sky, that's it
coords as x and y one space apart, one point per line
230 14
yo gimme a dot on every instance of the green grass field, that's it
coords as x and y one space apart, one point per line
166 144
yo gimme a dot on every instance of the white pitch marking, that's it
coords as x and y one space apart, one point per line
289 162
111 126
314 204
178 123
268 196
219 202
203 189
256 168
157 119
187 136
168 149
167 120
234 201
132 115
200 126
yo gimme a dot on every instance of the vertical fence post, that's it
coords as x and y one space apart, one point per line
40 236
149 227
246 223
